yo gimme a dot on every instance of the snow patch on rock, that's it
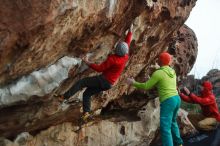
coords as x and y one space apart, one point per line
39 82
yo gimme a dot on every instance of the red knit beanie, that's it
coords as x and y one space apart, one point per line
165 58
207 85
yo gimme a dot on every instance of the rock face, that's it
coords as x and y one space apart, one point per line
184 49
40 49
124 131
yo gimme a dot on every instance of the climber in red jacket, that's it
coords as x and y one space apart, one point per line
111 70
210 113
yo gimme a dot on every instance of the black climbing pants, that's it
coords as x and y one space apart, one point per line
94 85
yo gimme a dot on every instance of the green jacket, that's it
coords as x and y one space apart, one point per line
165 81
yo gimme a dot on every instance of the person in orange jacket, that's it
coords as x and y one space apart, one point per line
111 70
210 116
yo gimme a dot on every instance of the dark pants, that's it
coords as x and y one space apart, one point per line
216 141
94 85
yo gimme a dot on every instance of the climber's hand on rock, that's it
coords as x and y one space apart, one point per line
131 27
85 59
130 81
126 32
186 90
129 30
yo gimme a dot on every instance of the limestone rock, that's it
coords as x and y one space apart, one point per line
36 34
118 131
186 127
184 49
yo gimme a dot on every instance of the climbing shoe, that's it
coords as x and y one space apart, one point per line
86 116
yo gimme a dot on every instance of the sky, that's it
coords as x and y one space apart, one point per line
205 22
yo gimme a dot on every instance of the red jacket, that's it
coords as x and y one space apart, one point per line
207 102
113 66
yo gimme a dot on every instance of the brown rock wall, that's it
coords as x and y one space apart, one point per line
35 34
